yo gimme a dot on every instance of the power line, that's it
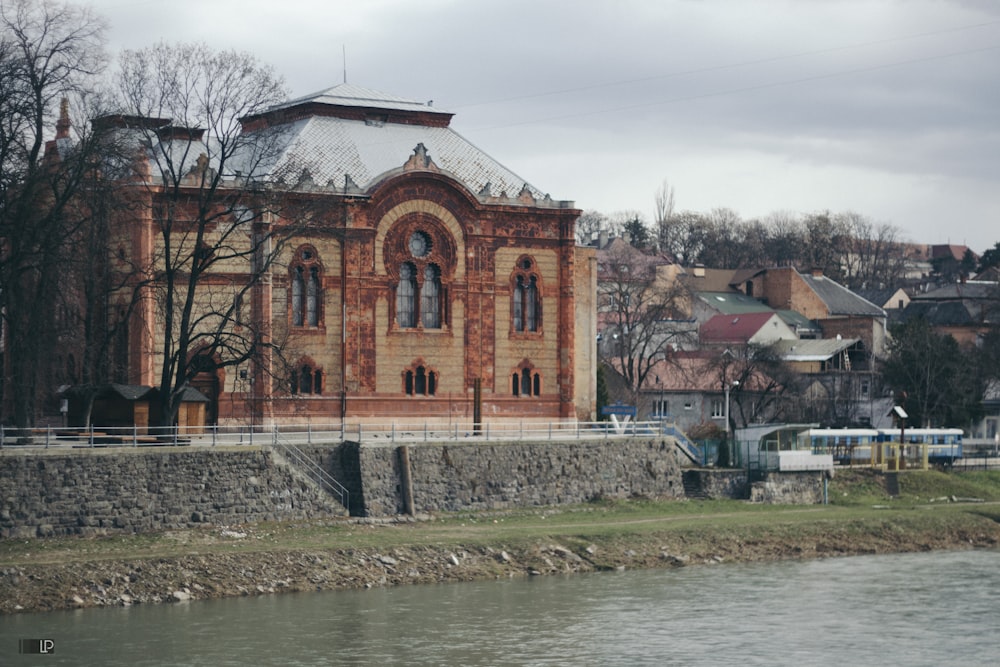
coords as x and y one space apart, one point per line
717 68
743 89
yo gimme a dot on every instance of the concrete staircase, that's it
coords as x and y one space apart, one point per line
692 485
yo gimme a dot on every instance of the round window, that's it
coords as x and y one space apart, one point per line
419 244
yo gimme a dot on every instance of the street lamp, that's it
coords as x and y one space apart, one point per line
735 383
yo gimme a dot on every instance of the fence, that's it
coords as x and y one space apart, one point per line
307 434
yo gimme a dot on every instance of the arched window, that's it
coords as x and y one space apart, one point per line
420 255
423 281
419 381
531 304
525 381
306 290
307 379
430 298
526 305
406 296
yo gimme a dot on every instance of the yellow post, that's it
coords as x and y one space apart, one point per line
895 452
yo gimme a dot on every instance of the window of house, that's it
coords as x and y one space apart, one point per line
717 408
526 305
306 290
307 379
620 302
865 389
525 381
661 407
419 381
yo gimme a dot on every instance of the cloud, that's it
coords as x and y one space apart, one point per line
879 106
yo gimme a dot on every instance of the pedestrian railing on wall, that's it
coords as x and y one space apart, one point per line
312 469
308 434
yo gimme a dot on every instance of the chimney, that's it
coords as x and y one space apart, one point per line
817 272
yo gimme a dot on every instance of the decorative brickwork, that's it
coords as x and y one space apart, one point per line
425 275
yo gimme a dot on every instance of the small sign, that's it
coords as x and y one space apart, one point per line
619 409
36 646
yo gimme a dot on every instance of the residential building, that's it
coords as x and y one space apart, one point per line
837 310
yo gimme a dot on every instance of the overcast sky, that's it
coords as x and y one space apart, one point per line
887 108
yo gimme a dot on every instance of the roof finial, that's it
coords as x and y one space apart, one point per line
63 124
344 49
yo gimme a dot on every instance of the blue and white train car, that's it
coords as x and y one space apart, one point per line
846 445
857 445
944 445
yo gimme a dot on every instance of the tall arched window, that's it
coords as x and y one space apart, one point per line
312 297
306 288
430 298
526 305
406 296
298 291
531 304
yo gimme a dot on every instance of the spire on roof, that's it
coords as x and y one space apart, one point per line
63 124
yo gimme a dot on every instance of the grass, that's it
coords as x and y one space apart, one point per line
859 506
855 487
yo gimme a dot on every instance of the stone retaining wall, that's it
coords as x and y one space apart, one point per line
477 476
789 488
127 490
785 488
718 483
135 490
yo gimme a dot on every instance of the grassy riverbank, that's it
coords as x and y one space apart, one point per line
933 511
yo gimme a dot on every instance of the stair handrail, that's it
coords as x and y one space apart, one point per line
311 468
683 442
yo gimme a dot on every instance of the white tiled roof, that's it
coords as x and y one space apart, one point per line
349 95
334 148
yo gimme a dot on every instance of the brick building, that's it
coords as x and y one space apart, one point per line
435 270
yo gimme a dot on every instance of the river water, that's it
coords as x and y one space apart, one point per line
940 608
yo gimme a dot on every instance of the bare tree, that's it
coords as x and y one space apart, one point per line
667 229
787 238
214 203
48 53
689 243
641 311
724 240
759 382
874 256
589 225
825 244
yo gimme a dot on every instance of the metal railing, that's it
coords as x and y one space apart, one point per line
308 434
312 469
